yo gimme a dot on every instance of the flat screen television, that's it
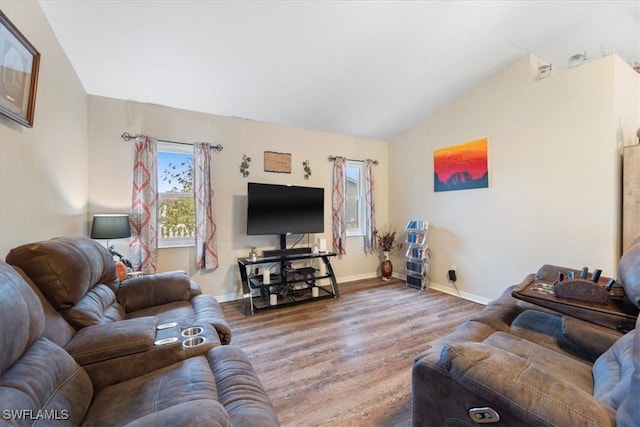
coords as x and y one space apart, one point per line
284 209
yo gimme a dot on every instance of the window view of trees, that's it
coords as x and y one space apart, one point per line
354 197
175 183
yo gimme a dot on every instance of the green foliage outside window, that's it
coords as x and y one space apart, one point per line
177 209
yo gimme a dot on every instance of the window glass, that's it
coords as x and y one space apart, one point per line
176 213
354 197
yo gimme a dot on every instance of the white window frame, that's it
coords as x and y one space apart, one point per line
358 198
173 242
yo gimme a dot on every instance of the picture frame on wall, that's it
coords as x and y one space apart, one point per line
19 65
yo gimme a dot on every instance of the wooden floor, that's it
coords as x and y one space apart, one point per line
346 361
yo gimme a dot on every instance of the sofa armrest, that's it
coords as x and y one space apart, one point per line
111 340
141 292
515 383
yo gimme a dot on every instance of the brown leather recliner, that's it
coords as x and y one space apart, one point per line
77 276
41 383
516 363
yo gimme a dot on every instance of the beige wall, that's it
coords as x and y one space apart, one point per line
554 165
554 148
43 170
110 177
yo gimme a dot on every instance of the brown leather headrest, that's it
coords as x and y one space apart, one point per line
65 268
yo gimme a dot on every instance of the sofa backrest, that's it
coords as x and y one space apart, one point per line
56 327
76 275
38 379
629 272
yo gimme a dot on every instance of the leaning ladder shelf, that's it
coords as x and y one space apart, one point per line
417 265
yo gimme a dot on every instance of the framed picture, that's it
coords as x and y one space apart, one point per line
461 167
19 63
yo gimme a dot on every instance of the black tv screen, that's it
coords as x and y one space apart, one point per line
284 209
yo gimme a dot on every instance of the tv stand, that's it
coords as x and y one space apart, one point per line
291 285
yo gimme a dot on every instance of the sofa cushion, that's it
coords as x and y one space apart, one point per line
204 412
156 391
47 379
548 330
97 307
155 289
509 381
547 360
65 268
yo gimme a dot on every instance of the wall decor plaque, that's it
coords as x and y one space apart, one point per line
277 162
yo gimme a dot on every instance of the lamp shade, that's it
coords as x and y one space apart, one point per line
110 226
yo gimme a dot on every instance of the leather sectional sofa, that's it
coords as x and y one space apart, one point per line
79 347
521 364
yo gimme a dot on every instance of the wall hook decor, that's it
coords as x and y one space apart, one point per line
307 169
244 166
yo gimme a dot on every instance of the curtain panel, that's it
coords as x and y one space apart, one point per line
338 206
369 208
206 254
144 206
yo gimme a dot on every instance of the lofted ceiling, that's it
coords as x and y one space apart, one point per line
363 68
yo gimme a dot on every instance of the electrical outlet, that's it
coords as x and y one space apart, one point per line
452 276
453 267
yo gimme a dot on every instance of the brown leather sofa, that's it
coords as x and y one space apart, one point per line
41 384
520 364
77 276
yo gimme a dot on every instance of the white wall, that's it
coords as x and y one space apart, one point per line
43 170
111 164
554 164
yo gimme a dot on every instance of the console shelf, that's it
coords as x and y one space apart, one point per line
290 285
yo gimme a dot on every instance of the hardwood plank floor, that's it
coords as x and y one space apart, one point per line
346 361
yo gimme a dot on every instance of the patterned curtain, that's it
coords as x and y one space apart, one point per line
144 206
206 255
369 208
338 206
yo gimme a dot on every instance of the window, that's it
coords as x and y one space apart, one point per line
176 213
355 198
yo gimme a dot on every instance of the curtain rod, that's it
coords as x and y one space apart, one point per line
127 137
332 158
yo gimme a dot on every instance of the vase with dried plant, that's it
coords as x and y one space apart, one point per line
387 244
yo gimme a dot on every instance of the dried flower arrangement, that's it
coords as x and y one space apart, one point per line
387 241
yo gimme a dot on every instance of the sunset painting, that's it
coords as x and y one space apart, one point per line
461 167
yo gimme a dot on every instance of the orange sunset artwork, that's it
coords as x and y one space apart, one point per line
462 166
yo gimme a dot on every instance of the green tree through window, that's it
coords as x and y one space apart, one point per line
176 210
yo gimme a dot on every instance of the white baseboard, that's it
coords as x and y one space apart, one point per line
465 295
